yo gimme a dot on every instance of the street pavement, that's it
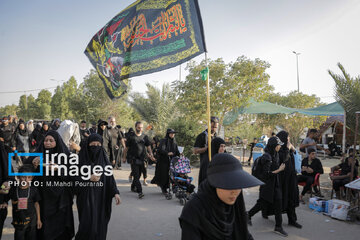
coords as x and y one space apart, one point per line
155 218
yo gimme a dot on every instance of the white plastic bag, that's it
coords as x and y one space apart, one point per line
298 160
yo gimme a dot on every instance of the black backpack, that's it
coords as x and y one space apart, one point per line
257 167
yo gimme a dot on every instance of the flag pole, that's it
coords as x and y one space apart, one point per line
208 107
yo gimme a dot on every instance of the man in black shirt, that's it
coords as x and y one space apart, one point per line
84 132
117 143
136 146
310 166
348 173
201 147
93 128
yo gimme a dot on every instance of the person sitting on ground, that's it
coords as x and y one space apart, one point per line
348 173
310 166
217 210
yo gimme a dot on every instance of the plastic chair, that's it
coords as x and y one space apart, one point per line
316 183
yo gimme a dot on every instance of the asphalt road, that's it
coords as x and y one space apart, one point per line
154 217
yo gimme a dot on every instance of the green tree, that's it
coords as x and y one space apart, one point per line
32 108
57 104
347 93
294 123
9 110
69 90
23 107
27 107
43 102
231 86
157 108
61 102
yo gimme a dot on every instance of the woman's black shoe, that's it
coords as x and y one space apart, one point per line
280 230
295 224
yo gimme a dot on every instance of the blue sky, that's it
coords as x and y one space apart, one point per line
43 40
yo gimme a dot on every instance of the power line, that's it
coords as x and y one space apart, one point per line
24 91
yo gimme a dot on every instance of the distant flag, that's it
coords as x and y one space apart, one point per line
204 73
146 37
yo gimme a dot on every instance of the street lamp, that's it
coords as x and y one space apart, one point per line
297 68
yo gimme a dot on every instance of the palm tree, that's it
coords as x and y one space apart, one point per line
347 93
157 108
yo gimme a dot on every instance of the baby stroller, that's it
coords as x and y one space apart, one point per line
179 181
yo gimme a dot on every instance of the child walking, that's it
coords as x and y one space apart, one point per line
25 206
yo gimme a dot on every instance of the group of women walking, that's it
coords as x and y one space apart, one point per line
93 203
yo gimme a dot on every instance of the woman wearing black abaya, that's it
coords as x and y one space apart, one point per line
168 149
56 201
35 137
103 132
270 198
288 179
217 210
44 130
217 146
94 202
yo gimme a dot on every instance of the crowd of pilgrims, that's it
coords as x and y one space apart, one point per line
216 211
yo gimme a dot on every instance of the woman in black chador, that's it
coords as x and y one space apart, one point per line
167 150
56 201
217 146
94 202
290 189
271 193
217 210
